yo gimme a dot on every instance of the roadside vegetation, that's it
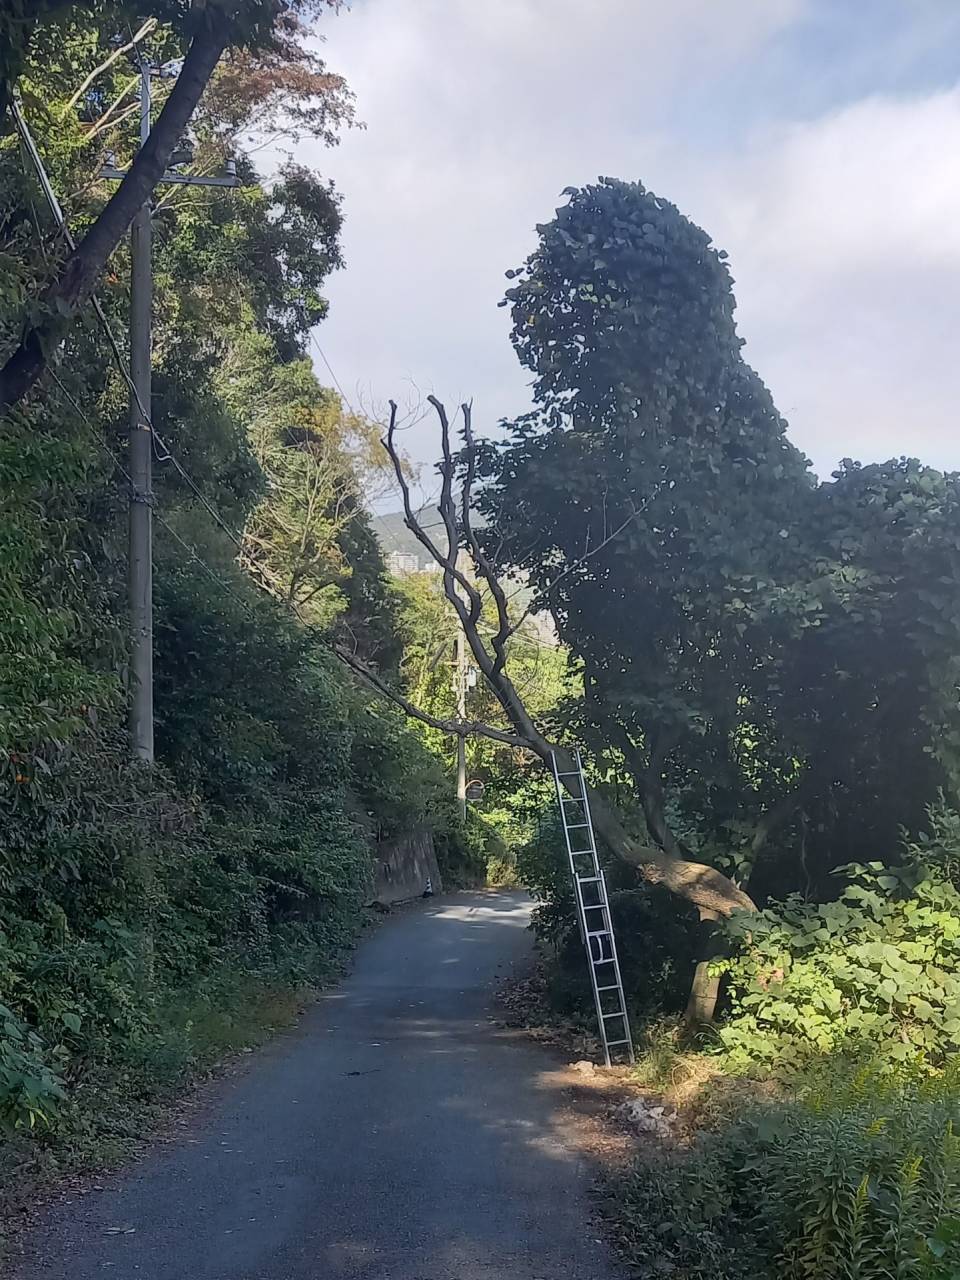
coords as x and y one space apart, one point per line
761 666
154 919
770 677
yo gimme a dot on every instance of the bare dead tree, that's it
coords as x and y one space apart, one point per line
713 894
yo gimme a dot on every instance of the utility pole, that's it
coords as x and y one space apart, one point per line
140 531
461 690
140 456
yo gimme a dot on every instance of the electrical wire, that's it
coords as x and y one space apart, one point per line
61 221
158 441
336 380
102 444
59 217
169 456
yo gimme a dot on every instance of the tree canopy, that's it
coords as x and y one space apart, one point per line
244 857
757 648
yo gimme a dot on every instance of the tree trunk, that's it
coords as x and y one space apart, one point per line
705 988
83 269
707 889
713 894
704 887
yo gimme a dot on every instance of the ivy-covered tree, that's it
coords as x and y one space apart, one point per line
769 664
770 661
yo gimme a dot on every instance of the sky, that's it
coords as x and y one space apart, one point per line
817 141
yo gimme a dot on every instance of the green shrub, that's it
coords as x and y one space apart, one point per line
656 939
30 1089
879 967
461 849
859 1181
939 846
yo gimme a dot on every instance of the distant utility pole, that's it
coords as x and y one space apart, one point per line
461 690
140 459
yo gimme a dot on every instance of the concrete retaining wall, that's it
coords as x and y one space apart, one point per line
403 867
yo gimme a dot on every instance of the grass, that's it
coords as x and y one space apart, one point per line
845 1170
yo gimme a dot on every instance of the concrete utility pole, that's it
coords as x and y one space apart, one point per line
140 457
140 532
461 690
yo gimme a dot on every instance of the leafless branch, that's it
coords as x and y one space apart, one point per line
476 549
447 562
144 31
105 119
461 728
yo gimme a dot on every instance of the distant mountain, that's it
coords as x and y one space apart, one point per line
396 539
404 554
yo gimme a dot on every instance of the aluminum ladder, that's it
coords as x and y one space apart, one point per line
593 909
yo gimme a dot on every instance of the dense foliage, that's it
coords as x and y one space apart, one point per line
770 687
858 1178
144 911
878 969
771 662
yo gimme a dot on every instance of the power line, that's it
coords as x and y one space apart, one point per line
102 444
158 442
61 221
60 218
336 380
169 456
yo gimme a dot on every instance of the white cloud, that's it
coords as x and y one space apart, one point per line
844 235
844 231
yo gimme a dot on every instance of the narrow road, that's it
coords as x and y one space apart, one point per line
397 1134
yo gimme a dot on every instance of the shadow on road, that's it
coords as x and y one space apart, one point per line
397 1134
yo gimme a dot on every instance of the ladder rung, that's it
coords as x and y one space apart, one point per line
568 795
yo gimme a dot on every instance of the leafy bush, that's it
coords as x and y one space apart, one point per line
30 1090
938 847
859 1181
879 967
655 941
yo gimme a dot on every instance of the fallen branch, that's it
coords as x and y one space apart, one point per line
144 31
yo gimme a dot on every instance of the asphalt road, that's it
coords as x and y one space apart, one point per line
396 1134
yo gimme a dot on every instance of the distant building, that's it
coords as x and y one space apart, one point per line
401 562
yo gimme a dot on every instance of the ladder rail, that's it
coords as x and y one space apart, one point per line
571 852
619 977
587 935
